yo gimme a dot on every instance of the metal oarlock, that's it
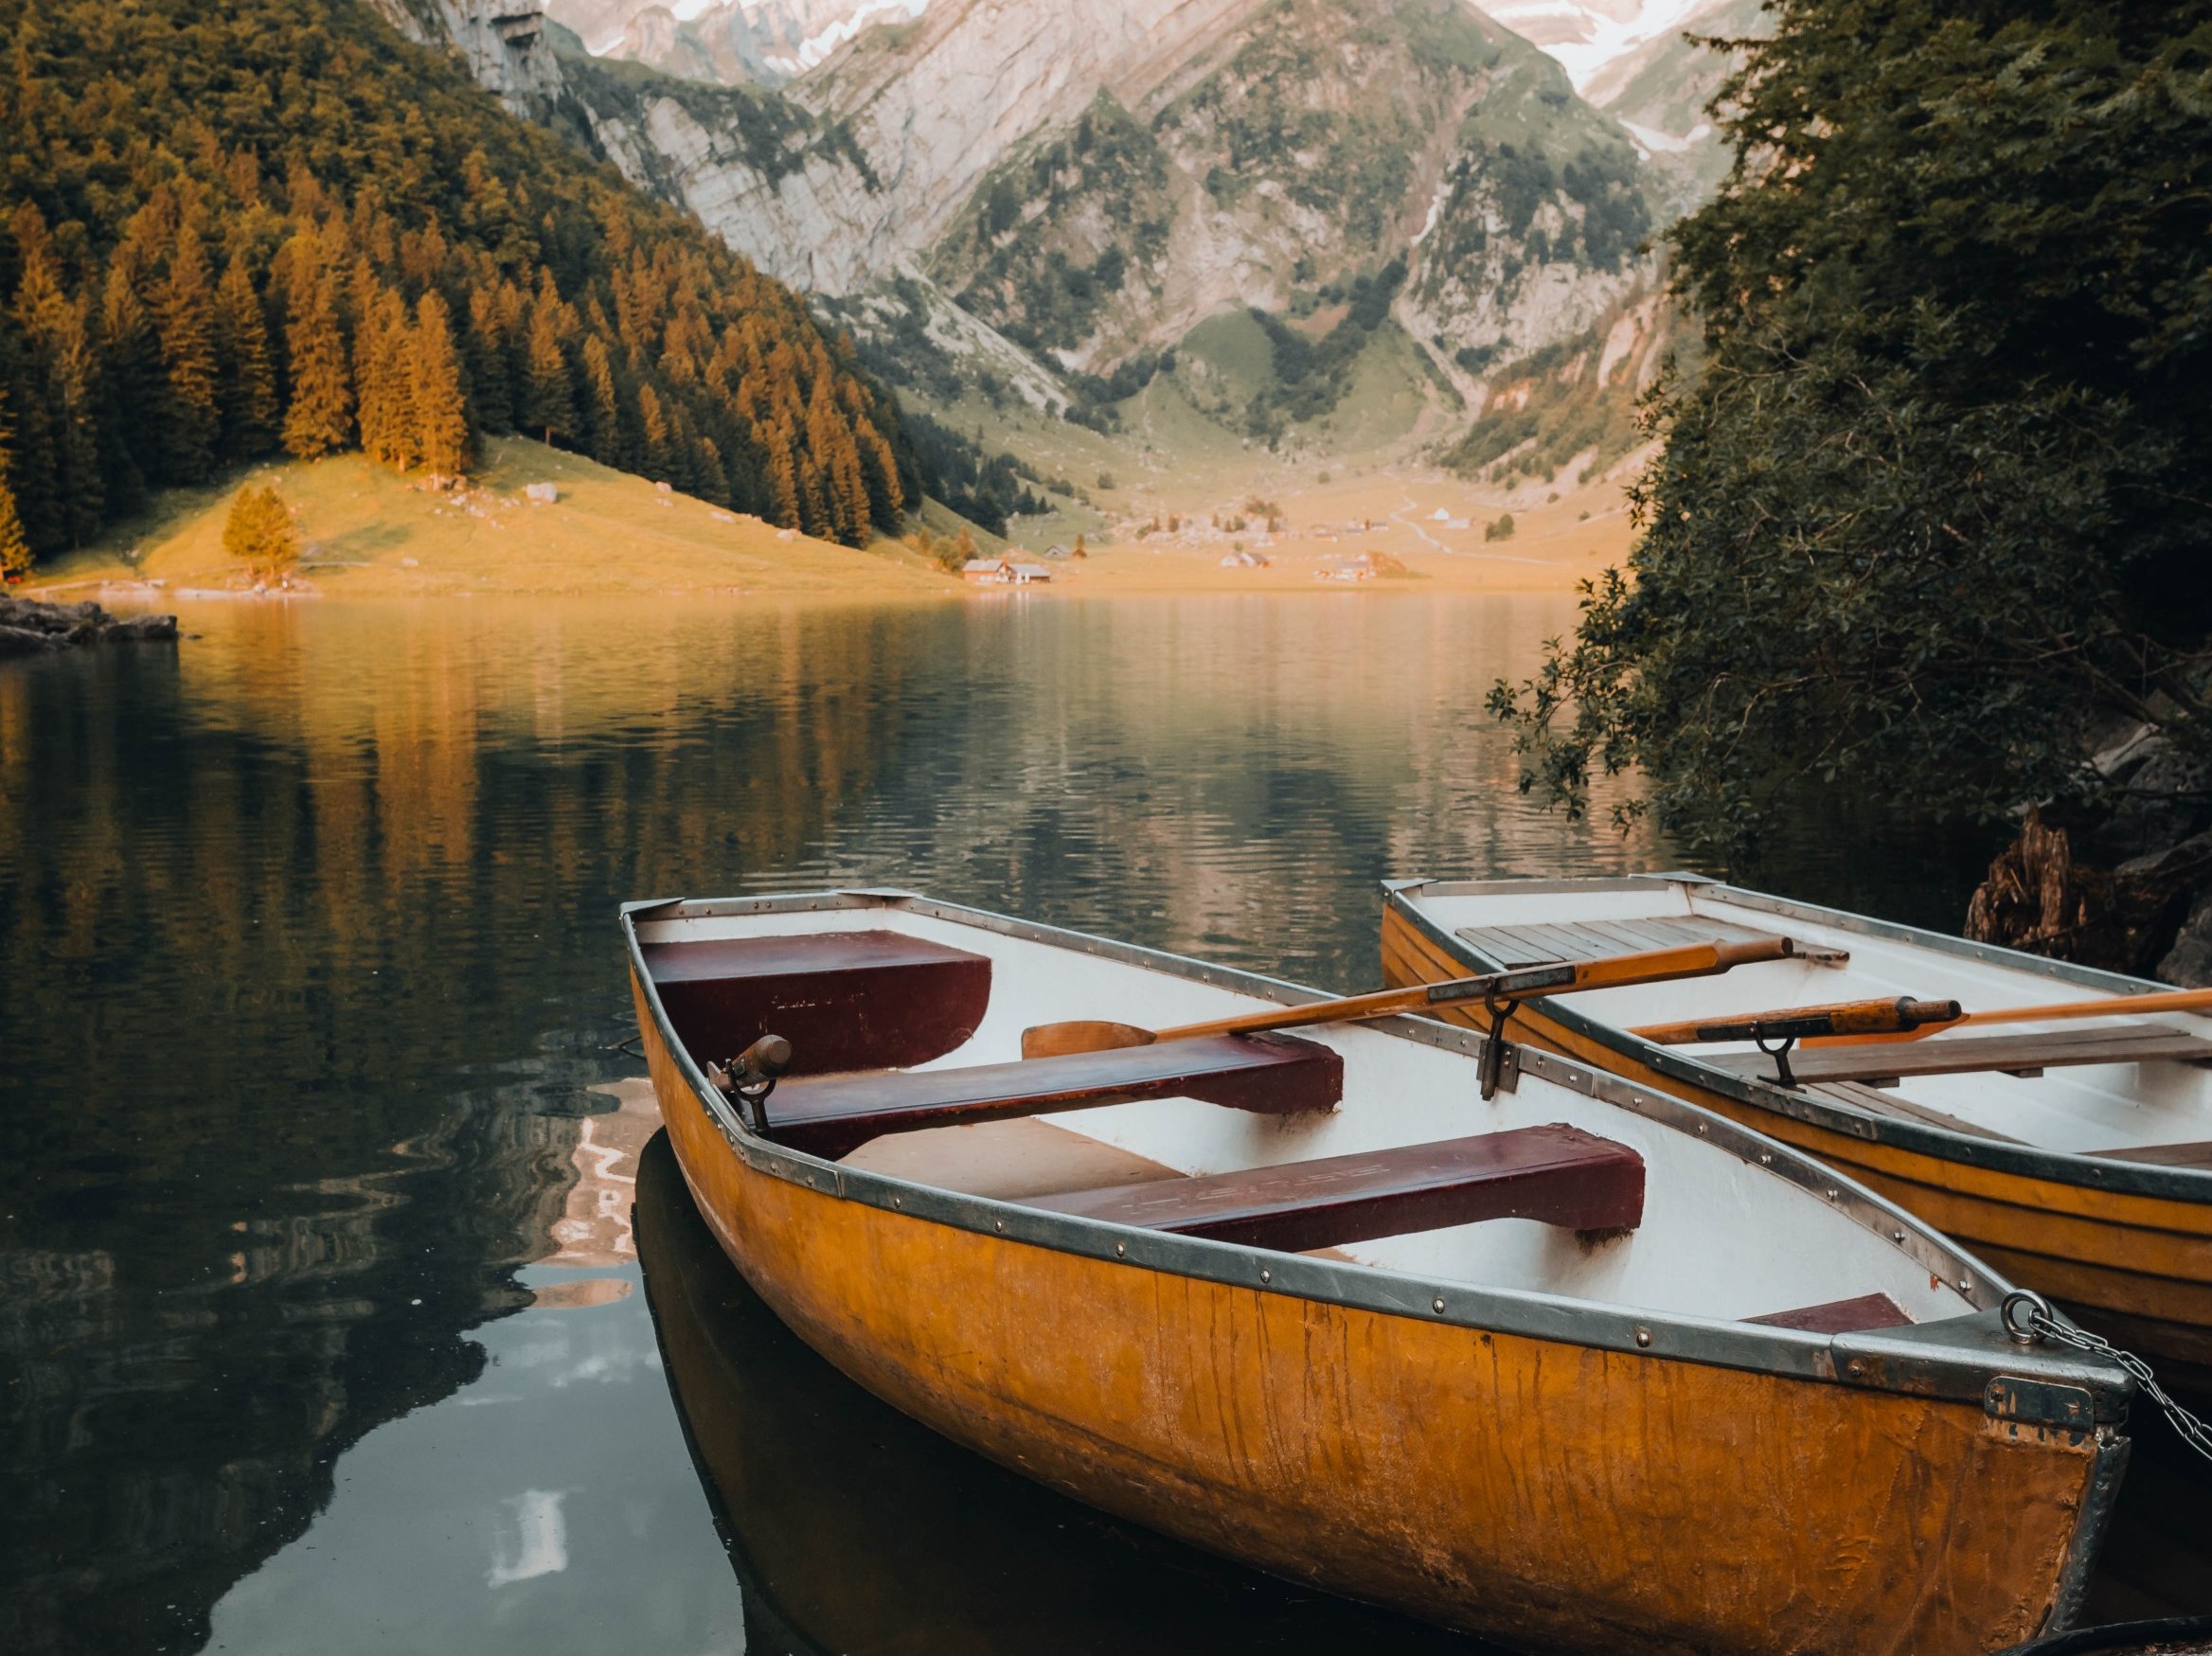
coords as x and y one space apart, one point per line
750 1076
2028 1318
1492 1072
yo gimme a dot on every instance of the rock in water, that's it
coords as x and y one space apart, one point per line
29 627
28 641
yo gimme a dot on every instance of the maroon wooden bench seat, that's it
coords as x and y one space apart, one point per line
1272 1075
1841 1316
1557 1174
844 999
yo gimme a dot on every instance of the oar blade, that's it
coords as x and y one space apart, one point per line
1081 1035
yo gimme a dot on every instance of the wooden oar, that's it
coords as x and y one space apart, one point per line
2111 1006
1903 1016
1868 1023
1614 972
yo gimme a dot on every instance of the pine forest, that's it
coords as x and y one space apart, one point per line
245 228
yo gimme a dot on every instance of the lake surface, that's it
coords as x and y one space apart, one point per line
322 1320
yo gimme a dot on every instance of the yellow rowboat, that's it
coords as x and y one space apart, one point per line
1580 1366
2074 1154
855 1531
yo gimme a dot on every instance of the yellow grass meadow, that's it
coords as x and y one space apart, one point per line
369 532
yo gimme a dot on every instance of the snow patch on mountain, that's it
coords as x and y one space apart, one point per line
1588 36
837 30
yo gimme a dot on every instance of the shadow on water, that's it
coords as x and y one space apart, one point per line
856 1532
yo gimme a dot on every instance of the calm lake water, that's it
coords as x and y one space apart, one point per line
323 1324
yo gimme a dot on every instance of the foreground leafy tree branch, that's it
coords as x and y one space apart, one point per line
1934 504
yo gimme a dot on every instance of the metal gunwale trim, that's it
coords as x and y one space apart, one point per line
1957 1372
2030 1161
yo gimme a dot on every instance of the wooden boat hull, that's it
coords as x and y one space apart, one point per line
1542 1490
2134 1266
854 1528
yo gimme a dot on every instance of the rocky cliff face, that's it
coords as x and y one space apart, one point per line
504 42
1085 186
1313 141
1094 183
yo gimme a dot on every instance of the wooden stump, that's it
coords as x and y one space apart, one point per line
2036 897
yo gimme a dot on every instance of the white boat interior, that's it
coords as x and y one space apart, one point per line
2145 1093
1719 1235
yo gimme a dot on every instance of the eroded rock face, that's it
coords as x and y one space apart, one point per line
503 42
1098 180
1300 144
1092 181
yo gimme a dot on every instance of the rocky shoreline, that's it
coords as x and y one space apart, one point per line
30 627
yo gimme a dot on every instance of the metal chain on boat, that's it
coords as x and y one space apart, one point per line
2041 1323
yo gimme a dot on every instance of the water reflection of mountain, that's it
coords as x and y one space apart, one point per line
305 946
854 1530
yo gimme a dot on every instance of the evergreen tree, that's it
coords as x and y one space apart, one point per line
830 442
320 419
15 557
56 376
440 404
549 403
783 477
653 426
602 406
880 467
490 384
383 375
185 316
813 498
131 386
259 531
247 393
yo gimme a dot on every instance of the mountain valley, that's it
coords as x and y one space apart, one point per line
1026 213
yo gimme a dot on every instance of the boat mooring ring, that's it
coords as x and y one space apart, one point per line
2023 1331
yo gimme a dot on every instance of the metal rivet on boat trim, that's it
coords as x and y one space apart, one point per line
1766 1158
1439 1306
1701 1129
896 1203
1120 1250
1266 1277
1966 1284
1002 1224
1643 1336
1831 1193
1897 1236
1856 1368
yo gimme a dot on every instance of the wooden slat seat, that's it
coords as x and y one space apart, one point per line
1875 1102
2182 1155
1557 1174
1949 1055
1271 1075
844 999
1839 1316
1534 944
